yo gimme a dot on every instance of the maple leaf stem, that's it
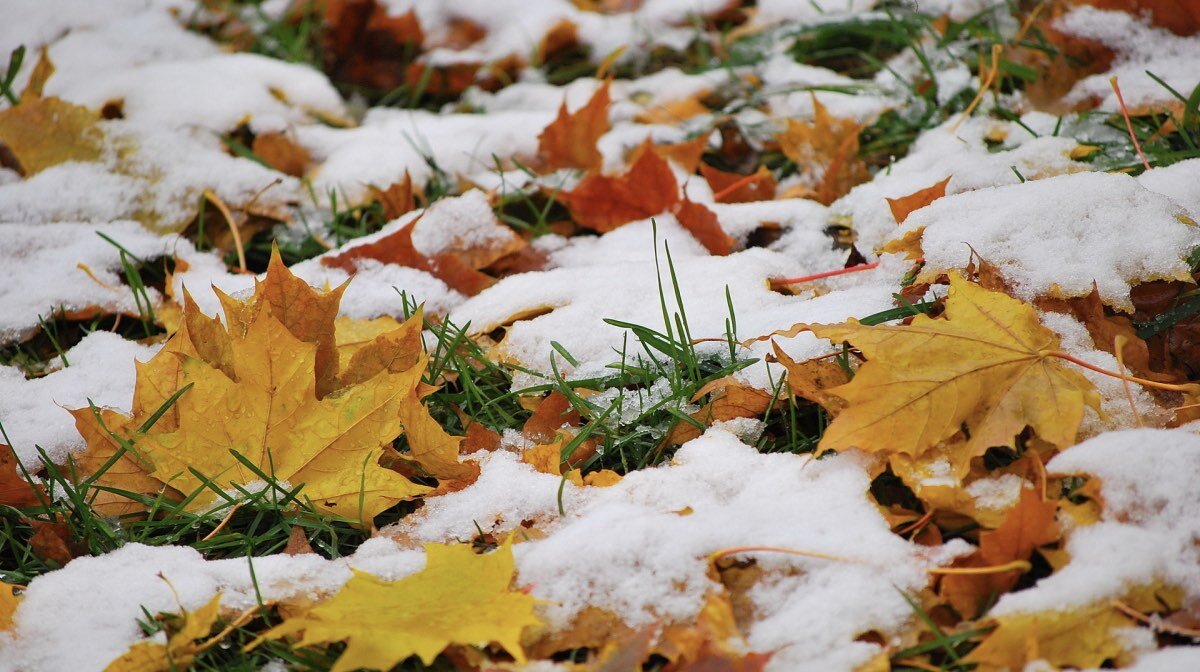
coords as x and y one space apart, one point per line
1190 388
725 552
1022 565
735 186
1156 624
826 274
1112 81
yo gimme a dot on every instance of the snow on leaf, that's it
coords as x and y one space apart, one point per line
43 132
1078 638
459 598
983 369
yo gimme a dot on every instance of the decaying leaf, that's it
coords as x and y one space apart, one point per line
603 203
982 370
397 198
825 151
570 140
182 644
901 207
731 399
459 598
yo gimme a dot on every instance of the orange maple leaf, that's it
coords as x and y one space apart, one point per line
903 206
570 140
14 489
702 223
603 203
1030 523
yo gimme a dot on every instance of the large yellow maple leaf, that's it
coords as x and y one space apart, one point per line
266 396
459 598
986 369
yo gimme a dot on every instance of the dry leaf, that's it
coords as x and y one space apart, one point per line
397 199
687 153
675 111
1081 637
282 153
181 647
14 489
731 399
52 541
981 368
813 378
398 248
903 206
364 45
43 132
1181 17
702 223
735 188
603 203
459 598
570 140
1030 523
825 152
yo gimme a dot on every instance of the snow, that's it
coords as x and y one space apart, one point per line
1058 236
1139 47
45 273
34 411
1052 224
1147 528
645 561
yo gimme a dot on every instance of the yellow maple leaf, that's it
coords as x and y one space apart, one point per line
825 152
459 598
985 370
255 390
1082 637
180 648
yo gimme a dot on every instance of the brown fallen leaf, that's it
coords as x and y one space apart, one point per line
731 399
901 207
570 140
702 223
398 248
735 188
52 541
1181 17
282 153
687 153
812 379
362 44
674 111
1030 523
397 198
603 203
14 489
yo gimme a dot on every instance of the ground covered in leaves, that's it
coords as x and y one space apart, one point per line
599 335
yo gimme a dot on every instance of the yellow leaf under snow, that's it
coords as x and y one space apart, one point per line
982 370
1083 637
44 132
459 598
180 649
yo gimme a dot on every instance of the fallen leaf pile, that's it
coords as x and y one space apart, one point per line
600 336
